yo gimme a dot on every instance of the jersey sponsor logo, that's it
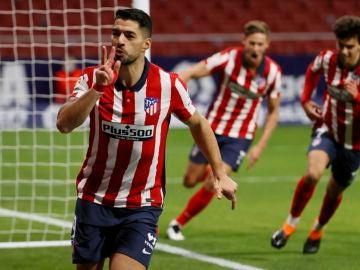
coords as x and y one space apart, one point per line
339 94
151 105
246 93
127 131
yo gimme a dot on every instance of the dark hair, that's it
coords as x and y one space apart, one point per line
137 15
255 26
347 27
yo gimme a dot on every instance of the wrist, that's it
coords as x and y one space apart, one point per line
218 172
303 101
261 145
101 88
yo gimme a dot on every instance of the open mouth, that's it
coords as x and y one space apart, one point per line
254 56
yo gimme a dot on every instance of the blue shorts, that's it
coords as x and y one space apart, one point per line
233 151
344 162
99 231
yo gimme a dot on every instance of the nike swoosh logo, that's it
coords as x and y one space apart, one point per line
145 251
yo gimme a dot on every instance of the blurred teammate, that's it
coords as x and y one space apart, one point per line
247 77
121 185
336 137
65 80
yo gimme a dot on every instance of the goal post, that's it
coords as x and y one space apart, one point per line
43 46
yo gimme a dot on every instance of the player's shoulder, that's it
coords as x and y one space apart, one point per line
89 71
235 49
270 61
327 52
157 69
173 77
327 57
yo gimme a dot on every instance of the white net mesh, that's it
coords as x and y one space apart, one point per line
37 164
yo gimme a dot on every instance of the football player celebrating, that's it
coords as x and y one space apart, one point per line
335 138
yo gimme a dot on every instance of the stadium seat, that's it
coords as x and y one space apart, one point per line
187 17
5 5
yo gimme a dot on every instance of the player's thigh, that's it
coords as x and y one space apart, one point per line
233 151
90 266
227 168
334 189
317 161
194 173
345 166
120 261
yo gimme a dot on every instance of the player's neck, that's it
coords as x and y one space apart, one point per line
253 65
130 74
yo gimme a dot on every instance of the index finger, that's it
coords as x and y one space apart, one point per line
111 58
233 202
104 55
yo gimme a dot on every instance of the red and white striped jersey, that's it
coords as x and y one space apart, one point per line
341 113
124 164
235 109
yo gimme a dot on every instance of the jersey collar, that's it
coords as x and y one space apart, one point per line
140 83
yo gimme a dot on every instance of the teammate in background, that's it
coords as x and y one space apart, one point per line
65 80
335 138
121 185
247 77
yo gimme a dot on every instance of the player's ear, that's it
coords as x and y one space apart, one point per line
267 42
243 39
147 44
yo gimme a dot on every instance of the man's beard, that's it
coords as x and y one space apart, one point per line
125 61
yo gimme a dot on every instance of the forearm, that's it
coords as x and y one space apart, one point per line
311 80
270 122
196 71
269 127
205 139
73 113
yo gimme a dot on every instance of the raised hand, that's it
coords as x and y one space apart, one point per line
351 87
106 75
313 110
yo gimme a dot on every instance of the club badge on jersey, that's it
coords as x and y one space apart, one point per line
151 105
261 81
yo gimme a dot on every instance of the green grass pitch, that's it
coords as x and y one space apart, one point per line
242 235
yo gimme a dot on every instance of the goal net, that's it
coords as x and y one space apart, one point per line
44 46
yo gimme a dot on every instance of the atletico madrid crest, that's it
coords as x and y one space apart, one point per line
151 105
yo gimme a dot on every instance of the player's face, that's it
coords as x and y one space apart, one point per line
255 46
129 41
349 51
